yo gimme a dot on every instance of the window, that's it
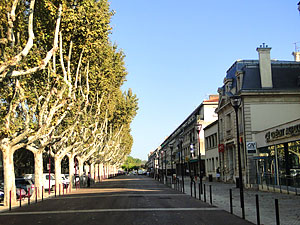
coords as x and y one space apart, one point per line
221 129
228 125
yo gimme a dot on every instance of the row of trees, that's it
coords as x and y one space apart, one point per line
60 86
133 164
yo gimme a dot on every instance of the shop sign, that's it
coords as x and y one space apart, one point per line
221 147
282 133
251 147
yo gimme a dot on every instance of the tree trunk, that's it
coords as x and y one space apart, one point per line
71 169
80 166
9 176
97 172
57 169
92 170
38 172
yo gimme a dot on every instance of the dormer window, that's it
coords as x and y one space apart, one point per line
228 85
239 80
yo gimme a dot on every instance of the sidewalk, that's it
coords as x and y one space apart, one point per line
24 200
289 205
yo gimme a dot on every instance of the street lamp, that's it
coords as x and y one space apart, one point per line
181 158
166 171
162 164
235 101
191 157
198 128
49 168
171 148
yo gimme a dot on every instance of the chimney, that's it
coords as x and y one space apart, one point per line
265 66
296 56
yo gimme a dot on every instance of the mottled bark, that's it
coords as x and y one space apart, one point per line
101 171
92 170
71 168
9 176
57 169
80 166
38 171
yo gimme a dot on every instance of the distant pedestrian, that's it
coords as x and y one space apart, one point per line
218 174
89 180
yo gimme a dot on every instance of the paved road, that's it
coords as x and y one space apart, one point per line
125 200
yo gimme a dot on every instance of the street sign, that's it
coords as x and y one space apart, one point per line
251 147
198 127
192 148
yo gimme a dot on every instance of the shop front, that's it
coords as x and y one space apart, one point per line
278 159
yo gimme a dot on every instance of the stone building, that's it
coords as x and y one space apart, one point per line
269 93
211 150
180 150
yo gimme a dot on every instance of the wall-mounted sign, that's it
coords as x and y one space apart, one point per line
221 147
251 147
192 148
282 133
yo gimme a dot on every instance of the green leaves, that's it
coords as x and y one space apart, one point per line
87 25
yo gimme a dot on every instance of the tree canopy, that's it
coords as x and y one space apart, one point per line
60 82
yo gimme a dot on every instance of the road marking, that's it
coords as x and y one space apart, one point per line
109 210
117 195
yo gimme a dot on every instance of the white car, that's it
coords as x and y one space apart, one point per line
46 181
65 181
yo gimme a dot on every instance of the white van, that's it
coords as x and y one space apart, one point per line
46 181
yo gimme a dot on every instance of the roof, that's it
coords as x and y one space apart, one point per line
215 99
285 75
210 125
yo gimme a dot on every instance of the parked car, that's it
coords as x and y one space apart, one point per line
26 184
1 194
76 179
46 181
20 191
65 181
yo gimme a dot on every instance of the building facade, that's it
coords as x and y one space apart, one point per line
211 150
269 93
179 153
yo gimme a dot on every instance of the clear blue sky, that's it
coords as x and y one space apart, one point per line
178 52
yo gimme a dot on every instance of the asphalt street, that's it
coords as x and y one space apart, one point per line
124 200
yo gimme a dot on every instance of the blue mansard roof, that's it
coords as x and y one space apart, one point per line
285 75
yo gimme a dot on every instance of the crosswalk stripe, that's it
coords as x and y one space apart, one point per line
108 210
116 195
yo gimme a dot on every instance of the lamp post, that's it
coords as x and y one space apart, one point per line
198 128
162 164
156 165
235 101
181 159
49 169
166 171
191 157
171 149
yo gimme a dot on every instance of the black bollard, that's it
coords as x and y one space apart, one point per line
257 210
195 189
204 192
210 194
191 189
20 197
199 191
28 196
9 200
230 201
277 212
